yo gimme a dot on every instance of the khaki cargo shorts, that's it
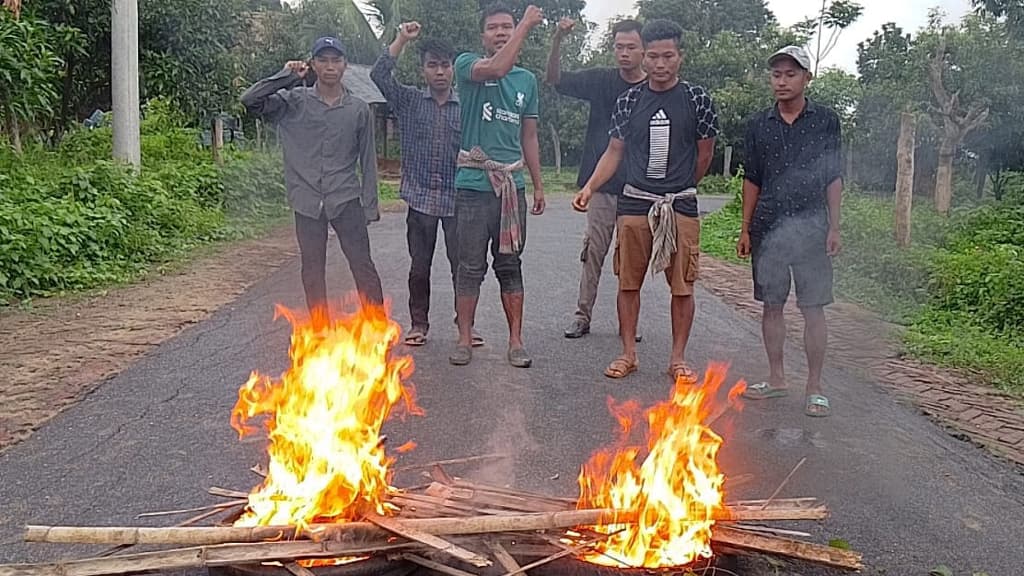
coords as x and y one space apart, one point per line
633 246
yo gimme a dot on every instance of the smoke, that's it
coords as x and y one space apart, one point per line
510 433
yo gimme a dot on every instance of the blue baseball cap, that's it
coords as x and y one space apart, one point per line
328 43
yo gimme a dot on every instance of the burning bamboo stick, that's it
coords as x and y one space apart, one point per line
436 526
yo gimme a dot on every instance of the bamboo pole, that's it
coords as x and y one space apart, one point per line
806 551
207 535
218 535
400 528
197 557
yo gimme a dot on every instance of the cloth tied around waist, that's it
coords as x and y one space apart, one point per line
662 220
510 239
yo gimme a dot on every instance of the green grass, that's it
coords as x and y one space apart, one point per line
387 191
956 340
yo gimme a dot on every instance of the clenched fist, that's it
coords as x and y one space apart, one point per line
533 17
409 30
298 67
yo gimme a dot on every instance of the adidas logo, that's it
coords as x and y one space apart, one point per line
660 118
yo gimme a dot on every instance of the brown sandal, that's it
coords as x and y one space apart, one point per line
681 370
621 367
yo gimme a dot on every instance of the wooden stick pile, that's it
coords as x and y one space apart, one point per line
450 526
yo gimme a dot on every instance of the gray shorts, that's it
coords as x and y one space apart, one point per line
781 260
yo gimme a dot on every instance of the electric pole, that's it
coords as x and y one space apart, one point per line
124 39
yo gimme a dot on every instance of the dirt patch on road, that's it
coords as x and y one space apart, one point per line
59 350
861 341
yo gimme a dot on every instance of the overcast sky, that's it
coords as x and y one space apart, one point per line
909 14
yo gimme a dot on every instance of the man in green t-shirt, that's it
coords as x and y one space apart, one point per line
499 112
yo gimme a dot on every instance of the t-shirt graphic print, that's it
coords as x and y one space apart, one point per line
660 134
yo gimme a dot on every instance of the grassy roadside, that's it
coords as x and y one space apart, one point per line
958 290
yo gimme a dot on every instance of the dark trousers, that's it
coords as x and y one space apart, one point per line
479 222
421 236
350 227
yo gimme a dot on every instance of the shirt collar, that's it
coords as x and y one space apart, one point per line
810 108
346 95
452 96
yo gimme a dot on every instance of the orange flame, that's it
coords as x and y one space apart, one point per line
323 420
674 485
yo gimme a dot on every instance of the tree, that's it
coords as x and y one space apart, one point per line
892 80
833 17
1012 11
956 123
30 69
840 91
706 18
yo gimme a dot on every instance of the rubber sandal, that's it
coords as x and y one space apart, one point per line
461 356
621 367
817 406
476 339
681 370
416 337
519 358
764 391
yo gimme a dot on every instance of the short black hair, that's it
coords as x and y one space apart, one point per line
656 30
435 47
493 10
626 26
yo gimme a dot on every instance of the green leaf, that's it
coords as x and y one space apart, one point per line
839 543
942 570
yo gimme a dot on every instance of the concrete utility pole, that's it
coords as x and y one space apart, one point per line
124 39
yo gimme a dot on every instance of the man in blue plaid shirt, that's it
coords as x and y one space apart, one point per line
430 136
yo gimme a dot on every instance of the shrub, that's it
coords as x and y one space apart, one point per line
985 283
719 185
71 219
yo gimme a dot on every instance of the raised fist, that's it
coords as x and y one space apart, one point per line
298 67
409 30
533 16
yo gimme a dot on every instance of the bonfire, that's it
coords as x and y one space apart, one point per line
655 498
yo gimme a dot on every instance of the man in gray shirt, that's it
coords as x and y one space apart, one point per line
327 137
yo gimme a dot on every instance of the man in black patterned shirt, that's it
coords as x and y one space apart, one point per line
791 198
664 131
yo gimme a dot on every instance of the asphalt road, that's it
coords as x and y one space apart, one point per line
901 490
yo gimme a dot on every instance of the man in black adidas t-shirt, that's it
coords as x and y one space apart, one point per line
664 131
600 87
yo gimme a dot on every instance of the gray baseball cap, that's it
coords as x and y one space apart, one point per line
795 53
